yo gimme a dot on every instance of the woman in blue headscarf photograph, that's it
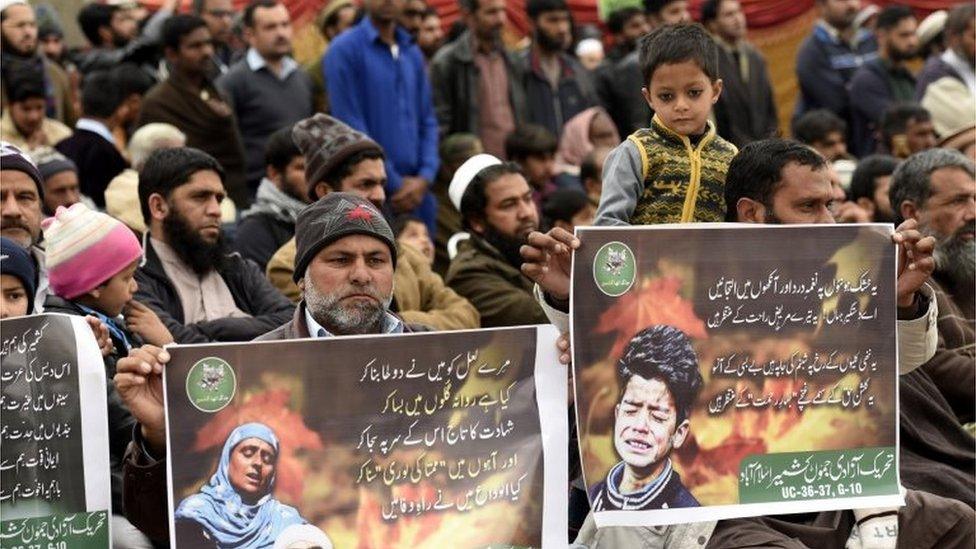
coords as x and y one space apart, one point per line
237 508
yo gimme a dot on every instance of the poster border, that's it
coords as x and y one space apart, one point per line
550 390
664 517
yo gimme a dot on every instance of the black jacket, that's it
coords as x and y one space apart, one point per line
252 294
552 108
454 84
98 162
260 235
746 111
55 304
619 88
120 420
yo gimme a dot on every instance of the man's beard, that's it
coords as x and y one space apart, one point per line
362 317
955 256
10 48
201 255
546 43
507 245
898 56
119 41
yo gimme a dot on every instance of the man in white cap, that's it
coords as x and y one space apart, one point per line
496 207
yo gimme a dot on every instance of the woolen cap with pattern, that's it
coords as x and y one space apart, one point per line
332 217
12 158
325 143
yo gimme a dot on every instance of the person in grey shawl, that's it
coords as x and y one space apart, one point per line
270 222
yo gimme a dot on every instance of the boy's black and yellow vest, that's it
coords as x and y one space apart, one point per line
682 183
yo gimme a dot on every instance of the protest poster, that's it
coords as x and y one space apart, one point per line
54 459
452 439
727 371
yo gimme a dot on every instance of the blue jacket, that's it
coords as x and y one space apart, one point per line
389 100
824 66
870 96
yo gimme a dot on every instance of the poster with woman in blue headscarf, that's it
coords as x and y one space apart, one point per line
237 507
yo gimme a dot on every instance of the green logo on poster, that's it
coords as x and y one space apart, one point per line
211 384
614 269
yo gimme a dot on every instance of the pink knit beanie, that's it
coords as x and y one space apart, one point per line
85 248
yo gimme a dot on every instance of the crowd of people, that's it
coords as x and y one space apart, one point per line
184 179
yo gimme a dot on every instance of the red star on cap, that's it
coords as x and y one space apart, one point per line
360 212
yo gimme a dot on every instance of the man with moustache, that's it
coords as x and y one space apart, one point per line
21 197
200 291
883 81
266 89
345 262
937 189
475 82
557 87
497 209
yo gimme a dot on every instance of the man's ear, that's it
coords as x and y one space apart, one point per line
273 174
322 188
867 204
477 225
680 434
158 207
301 285
908 210
750 211
717 86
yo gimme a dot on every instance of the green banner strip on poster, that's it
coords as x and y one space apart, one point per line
70 531
830 474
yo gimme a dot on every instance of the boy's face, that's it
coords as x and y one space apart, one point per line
112 296
682 95
646 426
14 300
415 234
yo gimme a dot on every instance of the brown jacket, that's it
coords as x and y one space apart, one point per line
953 368
502 294
419 294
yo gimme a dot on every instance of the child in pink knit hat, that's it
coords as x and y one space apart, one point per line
91 260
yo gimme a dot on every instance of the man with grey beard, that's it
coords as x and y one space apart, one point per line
346 254
937 188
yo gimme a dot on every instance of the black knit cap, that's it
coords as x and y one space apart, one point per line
15 261
332 217
12 158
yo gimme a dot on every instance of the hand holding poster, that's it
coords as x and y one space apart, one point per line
744 371
422 440
54 457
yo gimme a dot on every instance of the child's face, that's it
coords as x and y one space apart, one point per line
682 95
14 301
110 298
415 234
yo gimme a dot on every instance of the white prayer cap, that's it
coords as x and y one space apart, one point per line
587 46
930 27
4 4
463 176
302 536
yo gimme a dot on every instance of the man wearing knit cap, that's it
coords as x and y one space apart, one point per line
60 179
496 206
344 267
339 158
21 193
18 34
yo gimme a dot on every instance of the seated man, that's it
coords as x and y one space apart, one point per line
199 290
355 231
339 158
496 205
937 189
869 186
824 131
776 181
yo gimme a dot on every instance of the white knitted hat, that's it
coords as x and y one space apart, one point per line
463 176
